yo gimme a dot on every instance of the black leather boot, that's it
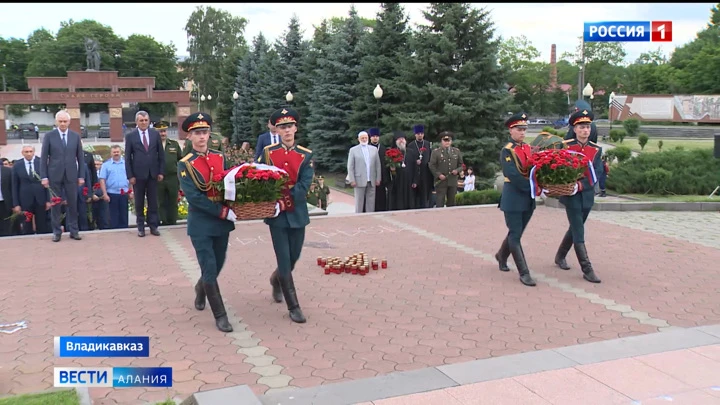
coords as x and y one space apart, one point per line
563 250
502 255
588 272
199 295
212 290
288 289
276 290
519 258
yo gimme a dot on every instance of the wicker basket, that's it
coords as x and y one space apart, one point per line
249 211
559 190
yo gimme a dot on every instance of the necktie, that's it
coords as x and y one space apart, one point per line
64 140
30 168
145 141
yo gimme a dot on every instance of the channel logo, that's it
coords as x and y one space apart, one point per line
113 377
628 31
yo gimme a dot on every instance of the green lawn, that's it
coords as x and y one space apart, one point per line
65 397
674 198
668 143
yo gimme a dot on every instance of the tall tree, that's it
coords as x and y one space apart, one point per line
245 125
270 91
697 62
292 50
212 36
384 49
453 82
226 103
333 91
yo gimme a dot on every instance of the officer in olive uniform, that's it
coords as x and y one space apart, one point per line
324 192
313 196
209 222
168 188
578 205
215 143
516 201
446 162
287 230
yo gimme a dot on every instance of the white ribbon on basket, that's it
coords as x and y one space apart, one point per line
531 176
229 180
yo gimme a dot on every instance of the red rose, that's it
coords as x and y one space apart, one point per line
122 191
28 216
85 192
181 193
96 186
553 166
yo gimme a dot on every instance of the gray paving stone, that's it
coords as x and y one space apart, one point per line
637 346
365 390
713 330
620 308
275 381
506 366
656 322
247 342
238 395
253 351
267 371
636 315
259 361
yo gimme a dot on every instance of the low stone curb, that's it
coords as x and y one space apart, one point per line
471 372
645 205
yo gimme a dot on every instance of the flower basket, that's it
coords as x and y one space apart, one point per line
250 211
559 190
251 191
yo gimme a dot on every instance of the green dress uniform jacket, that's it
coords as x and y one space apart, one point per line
578 206
444 161
168 188
516 190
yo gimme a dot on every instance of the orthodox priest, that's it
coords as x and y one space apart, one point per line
401 179
381 190
419 156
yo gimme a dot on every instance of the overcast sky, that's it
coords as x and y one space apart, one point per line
543 24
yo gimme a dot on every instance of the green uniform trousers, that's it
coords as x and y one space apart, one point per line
287 243
168 200
211 252
516 222
446 191
577 219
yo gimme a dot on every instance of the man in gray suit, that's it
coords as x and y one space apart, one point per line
62 169
364 173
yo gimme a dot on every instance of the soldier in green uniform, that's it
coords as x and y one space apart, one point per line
446 163
578 205
215 143
209 222
324 192
516 201
313 196
168 188
287 230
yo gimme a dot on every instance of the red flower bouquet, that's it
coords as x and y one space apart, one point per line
394 158
251 190
557 170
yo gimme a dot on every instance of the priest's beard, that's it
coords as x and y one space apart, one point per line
402 147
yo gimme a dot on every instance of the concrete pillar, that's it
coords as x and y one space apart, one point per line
116 131
3 132
182 113
74 112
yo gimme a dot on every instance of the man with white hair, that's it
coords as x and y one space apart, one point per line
364 173
62 169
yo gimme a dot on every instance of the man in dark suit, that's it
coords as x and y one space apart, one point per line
62 169
84 193
268 138
28 193
145 167
6 200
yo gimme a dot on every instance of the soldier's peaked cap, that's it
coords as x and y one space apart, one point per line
284 116
517 120
199 120
162 125
580 117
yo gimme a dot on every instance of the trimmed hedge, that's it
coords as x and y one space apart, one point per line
476 197
672 172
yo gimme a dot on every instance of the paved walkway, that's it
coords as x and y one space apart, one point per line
683 377
441 301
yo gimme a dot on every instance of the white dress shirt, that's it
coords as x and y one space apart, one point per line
274 138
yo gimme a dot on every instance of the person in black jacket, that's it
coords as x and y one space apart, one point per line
381 190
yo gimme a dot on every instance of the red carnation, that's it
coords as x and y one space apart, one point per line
122 191
85 192
181 193
217 177
96 186
28 216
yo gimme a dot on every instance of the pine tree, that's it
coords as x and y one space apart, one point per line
292 50
383 49
453 83
333 91
270 93
245 127
224 112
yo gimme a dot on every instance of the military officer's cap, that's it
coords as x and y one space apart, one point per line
419 129
517 120
320 178
580 117
446 136
162 125
198 120
374 131
284 116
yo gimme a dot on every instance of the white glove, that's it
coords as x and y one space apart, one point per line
277 210
543 193
231 216
575 189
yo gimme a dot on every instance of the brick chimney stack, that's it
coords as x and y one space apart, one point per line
553 66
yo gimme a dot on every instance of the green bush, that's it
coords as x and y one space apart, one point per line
643 140
680 172
550 130
660 145
631 126
617 134
621 153
478 197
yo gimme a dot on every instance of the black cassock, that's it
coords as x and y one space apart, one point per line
423 177
381 190
399 188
